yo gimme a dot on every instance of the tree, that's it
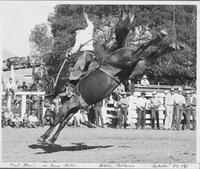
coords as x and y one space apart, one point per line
41 40
174 68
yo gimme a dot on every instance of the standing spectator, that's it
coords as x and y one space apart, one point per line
155 103
169 106
50 114
193 108
120 90
148 106
10 93
131 109
24 87
98 113
18 86
141 103
11 87
144 81
179 100
123 112
187 112
91 115
35 105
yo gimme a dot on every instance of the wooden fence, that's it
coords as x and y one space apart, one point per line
132 116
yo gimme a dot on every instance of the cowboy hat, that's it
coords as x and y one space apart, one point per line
144 77
154 92
180 89
187 92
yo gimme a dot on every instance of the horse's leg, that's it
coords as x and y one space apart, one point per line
48 132
154 55
70 107
142 65
63 124
143 47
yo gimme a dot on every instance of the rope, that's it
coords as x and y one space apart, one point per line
173 25
61 68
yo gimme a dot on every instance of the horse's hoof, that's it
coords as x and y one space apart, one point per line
41 140
50 143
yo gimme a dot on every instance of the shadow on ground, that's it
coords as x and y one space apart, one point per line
58 148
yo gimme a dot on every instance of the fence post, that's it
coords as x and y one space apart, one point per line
23 105
9 102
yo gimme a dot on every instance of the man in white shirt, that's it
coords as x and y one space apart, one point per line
169 105
11 87
144 81
83 43
141 112
193 107
179 101
155 103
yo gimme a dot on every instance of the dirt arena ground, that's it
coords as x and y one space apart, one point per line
96 145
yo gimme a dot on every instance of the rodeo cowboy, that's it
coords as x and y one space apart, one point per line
84 44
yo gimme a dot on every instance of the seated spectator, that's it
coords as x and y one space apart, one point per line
25 120
16 121
33 120
81 119
144 81
24 87
8 116
35 86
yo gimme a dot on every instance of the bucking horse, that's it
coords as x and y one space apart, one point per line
101 81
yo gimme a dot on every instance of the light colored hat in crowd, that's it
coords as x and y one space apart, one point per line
144 77
166 91
154 92
180 89
172 89
187 92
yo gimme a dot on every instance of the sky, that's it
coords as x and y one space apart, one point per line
17 19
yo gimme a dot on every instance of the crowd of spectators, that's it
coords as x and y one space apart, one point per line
179 109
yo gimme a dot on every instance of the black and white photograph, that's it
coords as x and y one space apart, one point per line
99 84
